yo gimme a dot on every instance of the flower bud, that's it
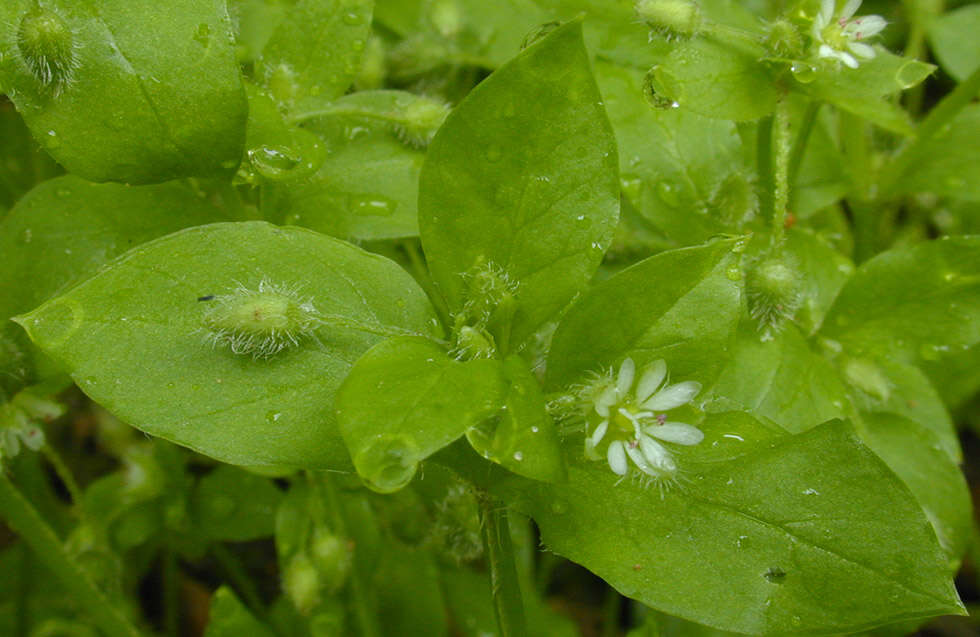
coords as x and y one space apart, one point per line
679 17
301 582
331 555
47 45
773 287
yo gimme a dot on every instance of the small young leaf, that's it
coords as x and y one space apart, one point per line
946 164
674 162
314 53
149 321
781 380
777 539
229 618
721 80
366 188
861 91
405 399
916 302
681 305
953 37
522 177
234 505
148 92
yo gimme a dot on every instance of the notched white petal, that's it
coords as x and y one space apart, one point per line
849 9
677 432
862 50
673 396
617 458
599 432
627 371
651 379
605 400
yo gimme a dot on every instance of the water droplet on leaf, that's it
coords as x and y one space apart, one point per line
388 463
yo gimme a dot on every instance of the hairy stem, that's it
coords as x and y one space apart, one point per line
504 585
780 170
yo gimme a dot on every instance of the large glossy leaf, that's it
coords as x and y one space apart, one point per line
915 302
136 340
405 399
680 305
153 92
774 541
523 176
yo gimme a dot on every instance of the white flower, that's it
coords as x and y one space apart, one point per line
839 36
633 420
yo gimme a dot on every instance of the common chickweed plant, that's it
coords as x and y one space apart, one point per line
459 318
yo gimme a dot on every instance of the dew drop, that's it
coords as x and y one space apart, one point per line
654 93
25 236
203 33
733 272
388 463
811 492
534 429
272 162
518 456
371 205
52 140
493 153
803 73
668 193
775 575
352 19
273 416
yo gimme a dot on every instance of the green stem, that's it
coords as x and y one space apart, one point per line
365 607
171 601
610 613
505 588
780 170
239 579
854 132
938 117
421 274
802 139
65 475
21 620
764 166
35 532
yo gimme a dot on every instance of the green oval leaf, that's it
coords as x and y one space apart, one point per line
681 305
135 338
404 400
523 176
917 302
